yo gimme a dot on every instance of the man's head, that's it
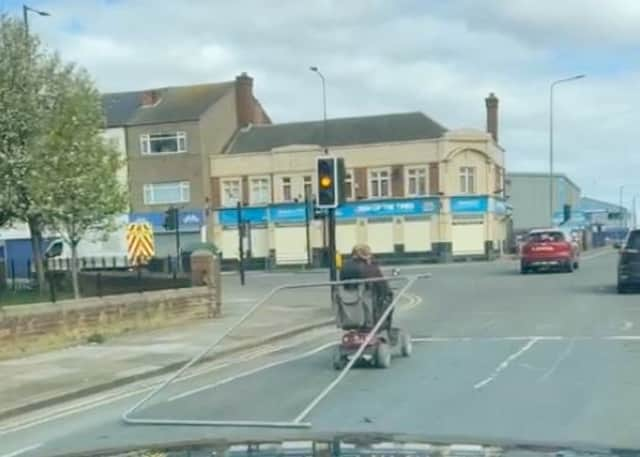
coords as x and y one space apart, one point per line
362 252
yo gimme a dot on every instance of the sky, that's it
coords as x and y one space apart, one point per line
383 56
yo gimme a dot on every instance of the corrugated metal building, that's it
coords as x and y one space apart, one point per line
528 194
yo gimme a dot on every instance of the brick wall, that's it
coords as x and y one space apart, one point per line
42 326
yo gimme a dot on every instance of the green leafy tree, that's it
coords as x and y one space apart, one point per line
57 171
24 72
84 195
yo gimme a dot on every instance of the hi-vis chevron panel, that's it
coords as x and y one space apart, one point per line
140 243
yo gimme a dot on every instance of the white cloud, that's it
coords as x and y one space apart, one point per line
379 56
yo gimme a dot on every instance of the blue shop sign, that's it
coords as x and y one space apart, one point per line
294 212
190 220
467 205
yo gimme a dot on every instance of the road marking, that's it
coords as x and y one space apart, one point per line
444 339
597 254
505 363
24 450
250 372
563 355
94 402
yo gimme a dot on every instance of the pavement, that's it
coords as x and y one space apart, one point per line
552 357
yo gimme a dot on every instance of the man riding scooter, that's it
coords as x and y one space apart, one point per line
362 265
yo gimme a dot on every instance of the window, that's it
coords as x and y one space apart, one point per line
308 187
379 183
231 192
163 143
260 191
286 189
167 193
348 185
416 181
467 180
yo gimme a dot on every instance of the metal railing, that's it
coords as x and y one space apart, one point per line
299 420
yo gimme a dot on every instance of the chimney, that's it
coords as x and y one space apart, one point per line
492 115
245 105
150 97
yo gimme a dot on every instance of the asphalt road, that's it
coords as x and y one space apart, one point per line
497 355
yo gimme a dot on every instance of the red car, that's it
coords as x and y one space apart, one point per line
549 248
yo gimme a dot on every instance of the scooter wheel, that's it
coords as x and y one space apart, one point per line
383 356
338 360
406 346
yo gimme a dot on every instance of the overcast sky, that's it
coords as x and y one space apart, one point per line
438 57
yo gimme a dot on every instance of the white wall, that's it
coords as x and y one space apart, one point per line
117 137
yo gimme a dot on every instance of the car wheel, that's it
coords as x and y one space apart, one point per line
523 268
621 289
569 267
576 265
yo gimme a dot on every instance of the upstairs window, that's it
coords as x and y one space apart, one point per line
163 143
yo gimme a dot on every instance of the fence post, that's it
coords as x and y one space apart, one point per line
99 284
13 274
139 276
52 287
114 262
104 263
93 263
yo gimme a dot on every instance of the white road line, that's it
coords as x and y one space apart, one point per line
622 338
250 372
597 254
24 450
505 363
445 339
113 397
561 357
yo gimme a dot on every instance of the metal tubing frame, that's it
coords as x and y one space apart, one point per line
298 421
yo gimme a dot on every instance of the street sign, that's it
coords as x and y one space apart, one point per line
140 244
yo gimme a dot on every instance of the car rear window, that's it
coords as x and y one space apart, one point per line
543 237
634 240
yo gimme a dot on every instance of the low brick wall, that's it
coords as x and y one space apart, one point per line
42 326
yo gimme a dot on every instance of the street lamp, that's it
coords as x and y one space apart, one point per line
553 85
620 209
25 16
324 107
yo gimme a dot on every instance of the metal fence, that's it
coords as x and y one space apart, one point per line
96 277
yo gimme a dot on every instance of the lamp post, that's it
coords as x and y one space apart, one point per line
331 212
553 85
324 107
25 16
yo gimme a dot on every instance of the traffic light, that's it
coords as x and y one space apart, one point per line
330 181
170 219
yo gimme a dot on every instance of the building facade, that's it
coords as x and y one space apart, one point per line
528 195
167 135
413 189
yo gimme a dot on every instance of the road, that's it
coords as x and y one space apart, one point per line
497 355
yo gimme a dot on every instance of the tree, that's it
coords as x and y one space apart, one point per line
82 194
24 72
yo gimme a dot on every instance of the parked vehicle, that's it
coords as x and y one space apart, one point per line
550 248
629 262
101 249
